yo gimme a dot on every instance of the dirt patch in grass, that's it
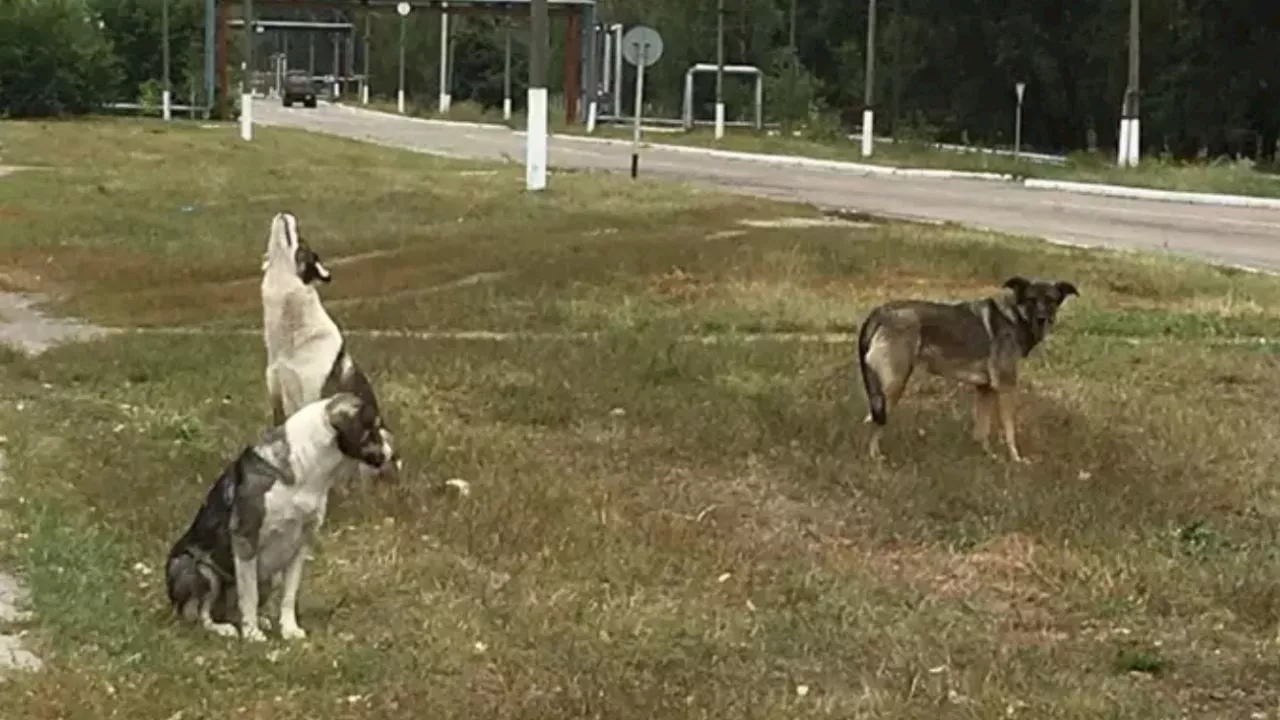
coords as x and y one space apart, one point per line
656 527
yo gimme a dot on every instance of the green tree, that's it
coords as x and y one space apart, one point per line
134 28
54 59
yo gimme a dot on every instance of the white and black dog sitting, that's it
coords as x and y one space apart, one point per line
307 357
251 535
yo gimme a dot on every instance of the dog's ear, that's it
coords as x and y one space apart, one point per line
1066 289
1018 285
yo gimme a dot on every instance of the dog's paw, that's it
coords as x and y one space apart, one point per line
226 630
292 632
253 634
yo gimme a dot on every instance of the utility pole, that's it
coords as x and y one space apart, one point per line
795 62
246 89
506 73
446 96
1130 130
793 27
868 101
719 69
311 50
535 173
165 94
402 9
895 112
364 84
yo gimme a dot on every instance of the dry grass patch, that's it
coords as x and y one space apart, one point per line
657 528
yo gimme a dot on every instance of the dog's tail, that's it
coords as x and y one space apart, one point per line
870 380
185 583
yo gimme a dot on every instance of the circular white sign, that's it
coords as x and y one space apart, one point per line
642 37
402 8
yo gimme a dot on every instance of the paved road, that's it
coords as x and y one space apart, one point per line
1237 236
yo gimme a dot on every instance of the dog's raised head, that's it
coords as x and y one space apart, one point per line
360 432
1037 301
287 249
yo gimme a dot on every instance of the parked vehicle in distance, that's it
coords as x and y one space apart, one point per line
298 88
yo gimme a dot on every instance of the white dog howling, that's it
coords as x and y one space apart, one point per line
307 357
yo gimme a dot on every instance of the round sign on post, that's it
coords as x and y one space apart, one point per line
402 8
642 36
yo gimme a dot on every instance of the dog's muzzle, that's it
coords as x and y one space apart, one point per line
382 456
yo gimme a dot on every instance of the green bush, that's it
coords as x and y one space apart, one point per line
54 59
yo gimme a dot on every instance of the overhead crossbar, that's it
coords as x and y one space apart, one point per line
293 25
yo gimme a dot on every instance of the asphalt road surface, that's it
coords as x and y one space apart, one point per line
1248 237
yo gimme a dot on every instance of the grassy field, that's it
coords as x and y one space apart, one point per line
1225 178
659 528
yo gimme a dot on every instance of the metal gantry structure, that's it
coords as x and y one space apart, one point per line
579 26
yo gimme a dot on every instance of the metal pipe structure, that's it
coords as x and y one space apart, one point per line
572 85
617 69
687 110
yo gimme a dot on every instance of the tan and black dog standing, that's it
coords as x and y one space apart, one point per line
978 342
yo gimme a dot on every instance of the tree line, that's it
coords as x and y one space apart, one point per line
945 71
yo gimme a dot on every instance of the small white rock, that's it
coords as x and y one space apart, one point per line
462 486
802 690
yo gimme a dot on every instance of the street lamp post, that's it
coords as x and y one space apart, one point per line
1018 88
403 9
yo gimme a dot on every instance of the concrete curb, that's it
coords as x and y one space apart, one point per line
1141 193
1083 188
798 160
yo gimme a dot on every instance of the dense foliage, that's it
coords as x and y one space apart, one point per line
54 59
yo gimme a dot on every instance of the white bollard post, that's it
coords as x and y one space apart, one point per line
868 131
246 116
